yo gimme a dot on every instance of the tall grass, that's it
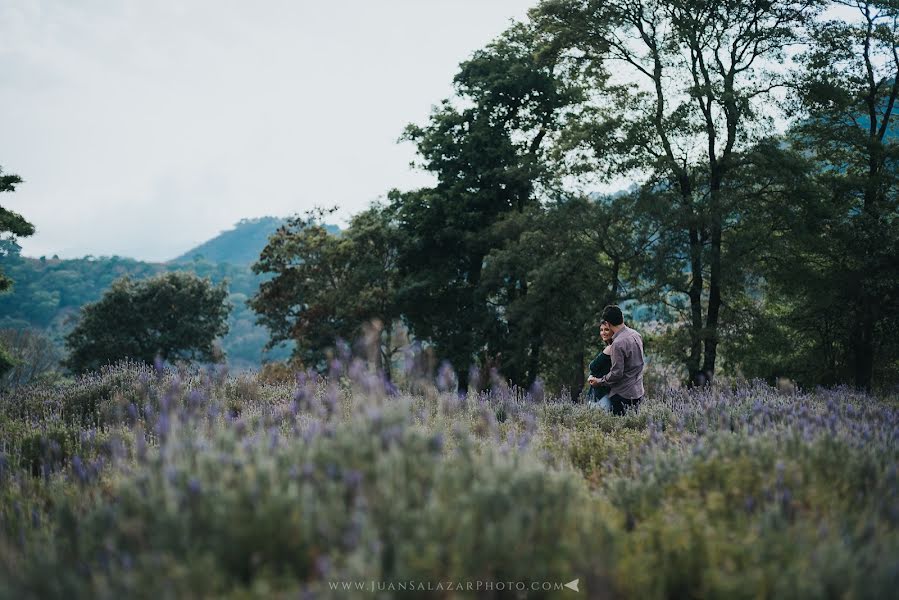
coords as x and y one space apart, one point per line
138 482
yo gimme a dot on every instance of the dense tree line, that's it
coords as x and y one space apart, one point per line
755 144
759 225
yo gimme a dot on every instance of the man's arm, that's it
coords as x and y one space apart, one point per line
616 373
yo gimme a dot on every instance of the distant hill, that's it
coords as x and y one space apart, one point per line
239 246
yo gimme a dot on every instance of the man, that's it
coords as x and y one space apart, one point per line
626 376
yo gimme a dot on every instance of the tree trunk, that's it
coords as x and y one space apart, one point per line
613 288
864 344
577 384
714 308
533 364
695 294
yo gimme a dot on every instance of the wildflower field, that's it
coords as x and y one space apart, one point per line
138 482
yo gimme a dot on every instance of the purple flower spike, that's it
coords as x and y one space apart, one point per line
79 470
352 479
446 377
537 393
322 565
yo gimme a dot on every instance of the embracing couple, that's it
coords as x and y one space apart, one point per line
616 374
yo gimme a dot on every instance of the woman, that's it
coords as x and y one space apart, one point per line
599 366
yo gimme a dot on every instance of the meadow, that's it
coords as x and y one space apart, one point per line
159 483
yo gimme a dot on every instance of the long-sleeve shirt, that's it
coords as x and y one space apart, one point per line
626 376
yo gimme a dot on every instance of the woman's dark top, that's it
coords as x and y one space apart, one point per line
599 366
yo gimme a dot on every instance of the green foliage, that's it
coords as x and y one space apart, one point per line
12 225
327 287
571 255
33 356
48 292
172 316
700 519
834 278
486 148
677 103
734 236
7 362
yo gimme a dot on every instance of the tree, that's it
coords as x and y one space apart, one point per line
11 224
840 277
175 316
486 147
680 103
563 263
329 287
35 356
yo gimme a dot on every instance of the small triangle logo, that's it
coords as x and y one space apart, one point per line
572 585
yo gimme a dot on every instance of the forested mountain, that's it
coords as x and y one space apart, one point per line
238 246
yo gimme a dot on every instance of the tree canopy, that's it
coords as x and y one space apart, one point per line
760 198
171 316
326 287
12 225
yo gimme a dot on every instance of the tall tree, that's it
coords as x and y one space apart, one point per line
174 316
844 274
692 90
486 148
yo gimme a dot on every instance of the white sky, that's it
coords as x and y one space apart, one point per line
143 127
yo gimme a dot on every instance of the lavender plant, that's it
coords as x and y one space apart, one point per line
142 481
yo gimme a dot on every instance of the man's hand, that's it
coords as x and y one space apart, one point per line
593 381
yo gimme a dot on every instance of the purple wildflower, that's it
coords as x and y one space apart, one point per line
352 479
163 426
446 377
322 565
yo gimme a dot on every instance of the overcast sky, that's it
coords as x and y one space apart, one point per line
143 127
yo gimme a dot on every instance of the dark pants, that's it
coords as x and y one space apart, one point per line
619 404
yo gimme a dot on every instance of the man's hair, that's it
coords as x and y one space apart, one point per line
612 315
